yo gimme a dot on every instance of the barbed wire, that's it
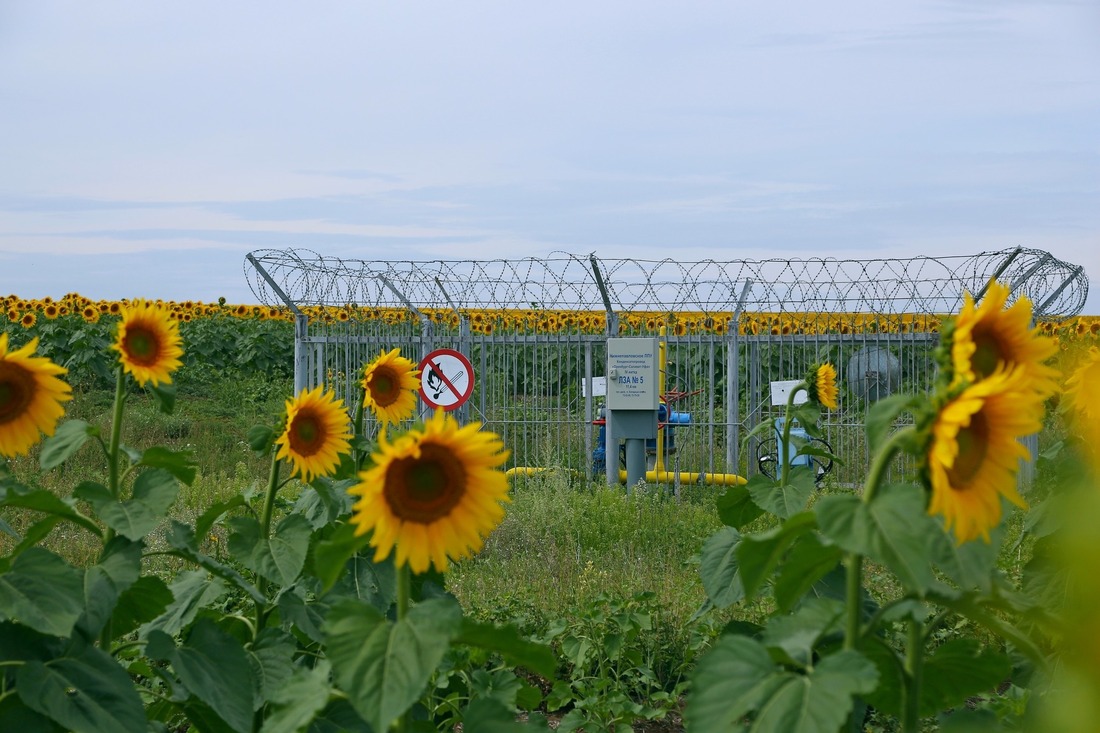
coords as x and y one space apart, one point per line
1057 289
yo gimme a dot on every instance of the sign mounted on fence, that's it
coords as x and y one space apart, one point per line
446 379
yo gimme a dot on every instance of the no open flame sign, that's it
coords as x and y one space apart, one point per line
446 379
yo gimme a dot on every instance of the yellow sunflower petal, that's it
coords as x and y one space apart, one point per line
390 385
30 397
432 495
974 452
317 433
148 342
989 336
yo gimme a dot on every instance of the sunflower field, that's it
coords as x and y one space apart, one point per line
345 587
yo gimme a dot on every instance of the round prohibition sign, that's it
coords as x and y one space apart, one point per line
446 379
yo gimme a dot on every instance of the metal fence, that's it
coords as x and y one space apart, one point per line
535 332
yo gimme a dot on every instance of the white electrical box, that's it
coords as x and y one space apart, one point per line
781 392
632 374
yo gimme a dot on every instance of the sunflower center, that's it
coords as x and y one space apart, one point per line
384 387
987 354
141 346
427 488
973 442
306 434
17 389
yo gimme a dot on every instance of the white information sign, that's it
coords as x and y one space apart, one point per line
632 373
446 379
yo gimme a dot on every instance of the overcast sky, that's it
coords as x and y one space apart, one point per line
146 147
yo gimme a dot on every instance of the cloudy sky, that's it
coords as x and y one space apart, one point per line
146 147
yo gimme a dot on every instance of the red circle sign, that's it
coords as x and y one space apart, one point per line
446 379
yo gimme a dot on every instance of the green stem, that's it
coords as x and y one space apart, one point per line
914 667
265 529
114 485
785 475
403 591
853 561
357 426
116 434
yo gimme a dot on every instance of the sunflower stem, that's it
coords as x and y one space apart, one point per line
357 426
854 561
106 636
785 471
914 667
403 592
116 435
265 529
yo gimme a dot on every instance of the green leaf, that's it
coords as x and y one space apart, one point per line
17 495
971 564
382 666
785 501
180 464
154 493
142 602
295 703
272 660
260 438
118 568
213 666
731 680
325 501
182 540
279 558
760 553
893 529
735 505
818 702
881 417
369 581
164 394
807 562
85 693
486 715
718 568
214 512
192 590
42 591
331 555
797 633
68 439
955 671
506 641
808 416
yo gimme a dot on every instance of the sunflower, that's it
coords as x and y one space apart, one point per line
148 341
821 383
30 397
317 432
990 335
90 313
390 383
974 449
28 319
434 493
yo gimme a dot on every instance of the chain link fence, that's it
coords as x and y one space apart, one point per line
535 332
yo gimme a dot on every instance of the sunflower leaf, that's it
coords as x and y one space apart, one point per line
87 692
758 554
164 395
42 591
719 569
383 666
17 495
66 441
736 507
881 416
180 464
893 529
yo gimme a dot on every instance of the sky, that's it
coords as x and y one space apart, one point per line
147 147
